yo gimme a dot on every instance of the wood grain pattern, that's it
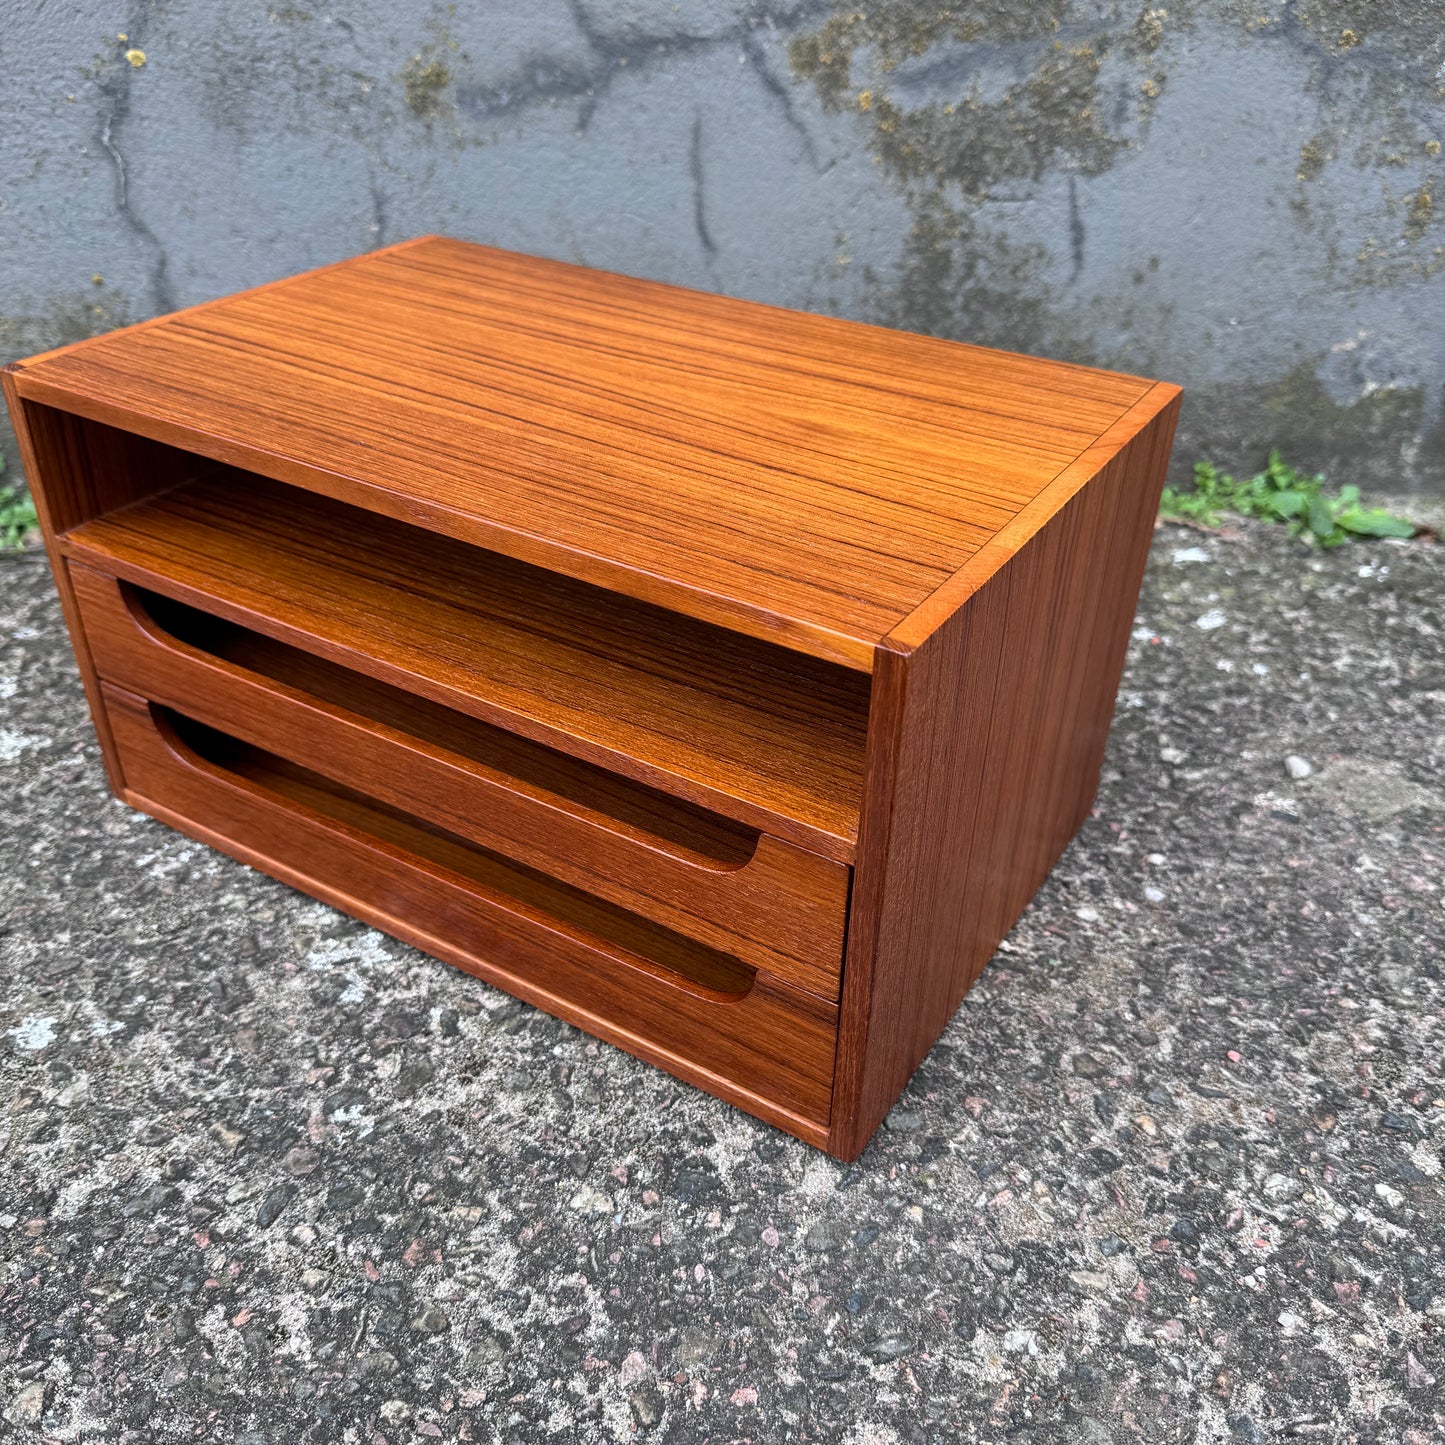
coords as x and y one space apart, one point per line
768 738
584 631
988 736
795 477
770 1050
769 903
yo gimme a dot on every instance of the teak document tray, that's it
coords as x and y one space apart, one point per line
722 679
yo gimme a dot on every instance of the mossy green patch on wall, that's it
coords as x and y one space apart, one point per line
1359 440
1053 116
424 80
1313 155
1421 211
1004 127
898 30
961 101
427 76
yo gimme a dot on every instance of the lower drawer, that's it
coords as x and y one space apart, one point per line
699 1013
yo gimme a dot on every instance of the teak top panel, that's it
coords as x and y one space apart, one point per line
795 477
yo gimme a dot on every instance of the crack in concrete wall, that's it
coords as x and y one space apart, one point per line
1077 233
699 205
115 86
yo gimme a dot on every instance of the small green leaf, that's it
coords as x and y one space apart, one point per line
1289 504
1374 522
17 519
1321 521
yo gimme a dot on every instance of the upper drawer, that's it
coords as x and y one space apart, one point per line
777 907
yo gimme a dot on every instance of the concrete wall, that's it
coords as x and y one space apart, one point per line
1248 198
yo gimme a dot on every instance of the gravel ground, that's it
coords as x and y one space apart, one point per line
1173 1173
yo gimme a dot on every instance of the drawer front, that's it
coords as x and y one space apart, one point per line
777 907
739 1034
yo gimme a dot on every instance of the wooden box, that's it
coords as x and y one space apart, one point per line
722 679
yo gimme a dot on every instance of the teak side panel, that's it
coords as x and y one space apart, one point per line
989 740
75 471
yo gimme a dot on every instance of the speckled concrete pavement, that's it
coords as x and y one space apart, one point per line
1173 1173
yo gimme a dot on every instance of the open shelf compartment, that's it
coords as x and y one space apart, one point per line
770 738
